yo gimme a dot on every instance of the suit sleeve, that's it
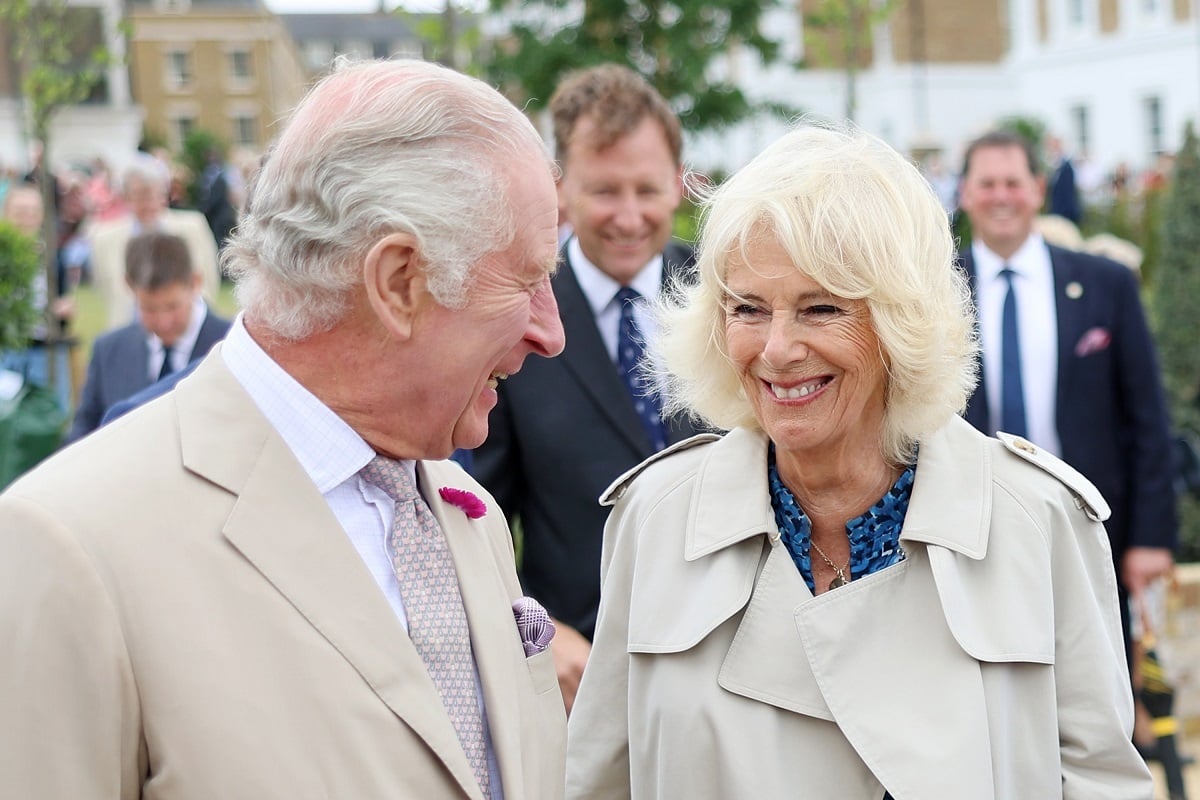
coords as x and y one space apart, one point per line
91 407
70 705
598 728
1095 703
1153 519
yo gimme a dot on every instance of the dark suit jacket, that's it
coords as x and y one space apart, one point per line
1064 194
563 430
120 368
1110 410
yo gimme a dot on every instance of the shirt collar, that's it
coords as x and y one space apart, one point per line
1026 260
599 288
187 340
328 449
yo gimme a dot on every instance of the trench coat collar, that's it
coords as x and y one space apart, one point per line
733 499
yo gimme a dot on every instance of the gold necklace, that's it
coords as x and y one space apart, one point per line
839 579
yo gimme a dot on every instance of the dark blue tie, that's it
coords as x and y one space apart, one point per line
630 349
1012 392
167 367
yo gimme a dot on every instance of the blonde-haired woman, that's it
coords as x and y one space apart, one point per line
853 593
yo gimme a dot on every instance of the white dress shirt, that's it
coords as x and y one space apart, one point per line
601 290
181 351
1037 327
332 455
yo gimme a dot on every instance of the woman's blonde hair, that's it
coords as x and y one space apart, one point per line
861 221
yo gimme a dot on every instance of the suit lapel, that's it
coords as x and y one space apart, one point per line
494 638
284 527
587 360
977 407
1070 313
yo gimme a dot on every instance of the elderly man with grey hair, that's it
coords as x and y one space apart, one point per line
270 582
144 189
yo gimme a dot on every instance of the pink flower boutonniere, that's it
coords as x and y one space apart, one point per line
471 505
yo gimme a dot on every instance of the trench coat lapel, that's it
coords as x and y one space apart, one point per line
284 528
877 656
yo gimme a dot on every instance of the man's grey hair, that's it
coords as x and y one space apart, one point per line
378 148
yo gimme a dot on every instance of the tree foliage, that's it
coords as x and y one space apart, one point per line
845 26
674 44
1175 307
19 263
53 73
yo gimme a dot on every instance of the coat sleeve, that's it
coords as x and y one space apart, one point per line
91 407
1095 702
70 704
598 728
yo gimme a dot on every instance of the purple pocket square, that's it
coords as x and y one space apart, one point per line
1093 341
534 625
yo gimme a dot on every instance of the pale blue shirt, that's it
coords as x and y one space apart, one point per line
1037 327
332 454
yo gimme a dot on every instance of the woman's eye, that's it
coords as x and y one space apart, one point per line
744 310
821 310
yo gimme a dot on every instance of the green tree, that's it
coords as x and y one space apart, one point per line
58 65
1175 306
19 263
197 147
672 44
847 27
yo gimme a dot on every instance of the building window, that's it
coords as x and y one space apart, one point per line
179 69
182 127
241 67
245 130
1075 13
1153 114
1081 122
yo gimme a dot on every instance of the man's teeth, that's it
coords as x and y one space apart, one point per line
495 379
796 392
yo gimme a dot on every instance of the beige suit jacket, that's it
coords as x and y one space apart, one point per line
109 239
988 664
184 618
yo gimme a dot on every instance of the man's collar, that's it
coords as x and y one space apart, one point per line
599 288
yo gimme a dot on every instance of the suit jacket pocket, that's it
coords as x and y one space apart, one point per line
542 671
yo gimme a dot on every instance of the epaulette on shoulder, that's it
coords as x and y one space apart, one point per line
617 488
1087 496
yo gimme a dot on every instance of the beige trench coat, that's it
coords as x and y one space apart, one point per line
988 664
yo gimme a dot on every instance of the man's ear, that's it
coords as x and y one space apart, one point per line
395 282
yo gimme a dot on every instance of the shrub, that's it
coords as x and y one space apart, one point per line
20 261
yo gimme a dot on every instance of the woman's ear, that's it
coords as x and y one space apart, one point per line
395 282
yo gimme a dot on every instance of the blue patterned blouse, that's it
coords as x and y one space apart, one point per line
874 536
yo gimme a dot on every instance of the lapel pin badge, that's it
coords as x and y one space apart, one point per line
1074 290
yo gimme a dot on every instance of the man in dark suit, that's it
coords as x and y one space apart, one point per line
565 428
1064 192
173 329
1089 388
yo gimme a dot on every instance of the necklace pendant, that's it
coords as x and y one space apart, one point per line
838 581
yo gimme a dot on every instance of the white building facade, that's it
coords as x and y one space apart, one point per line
1114 79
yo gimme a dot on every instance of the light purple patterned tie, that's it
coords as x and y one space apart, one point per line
437 621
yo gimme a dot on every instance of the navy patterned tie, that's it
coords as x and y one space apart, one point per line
1012 391
630 349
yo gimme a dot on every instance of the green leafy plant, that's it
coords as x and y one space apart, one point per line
19 265
1175 306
